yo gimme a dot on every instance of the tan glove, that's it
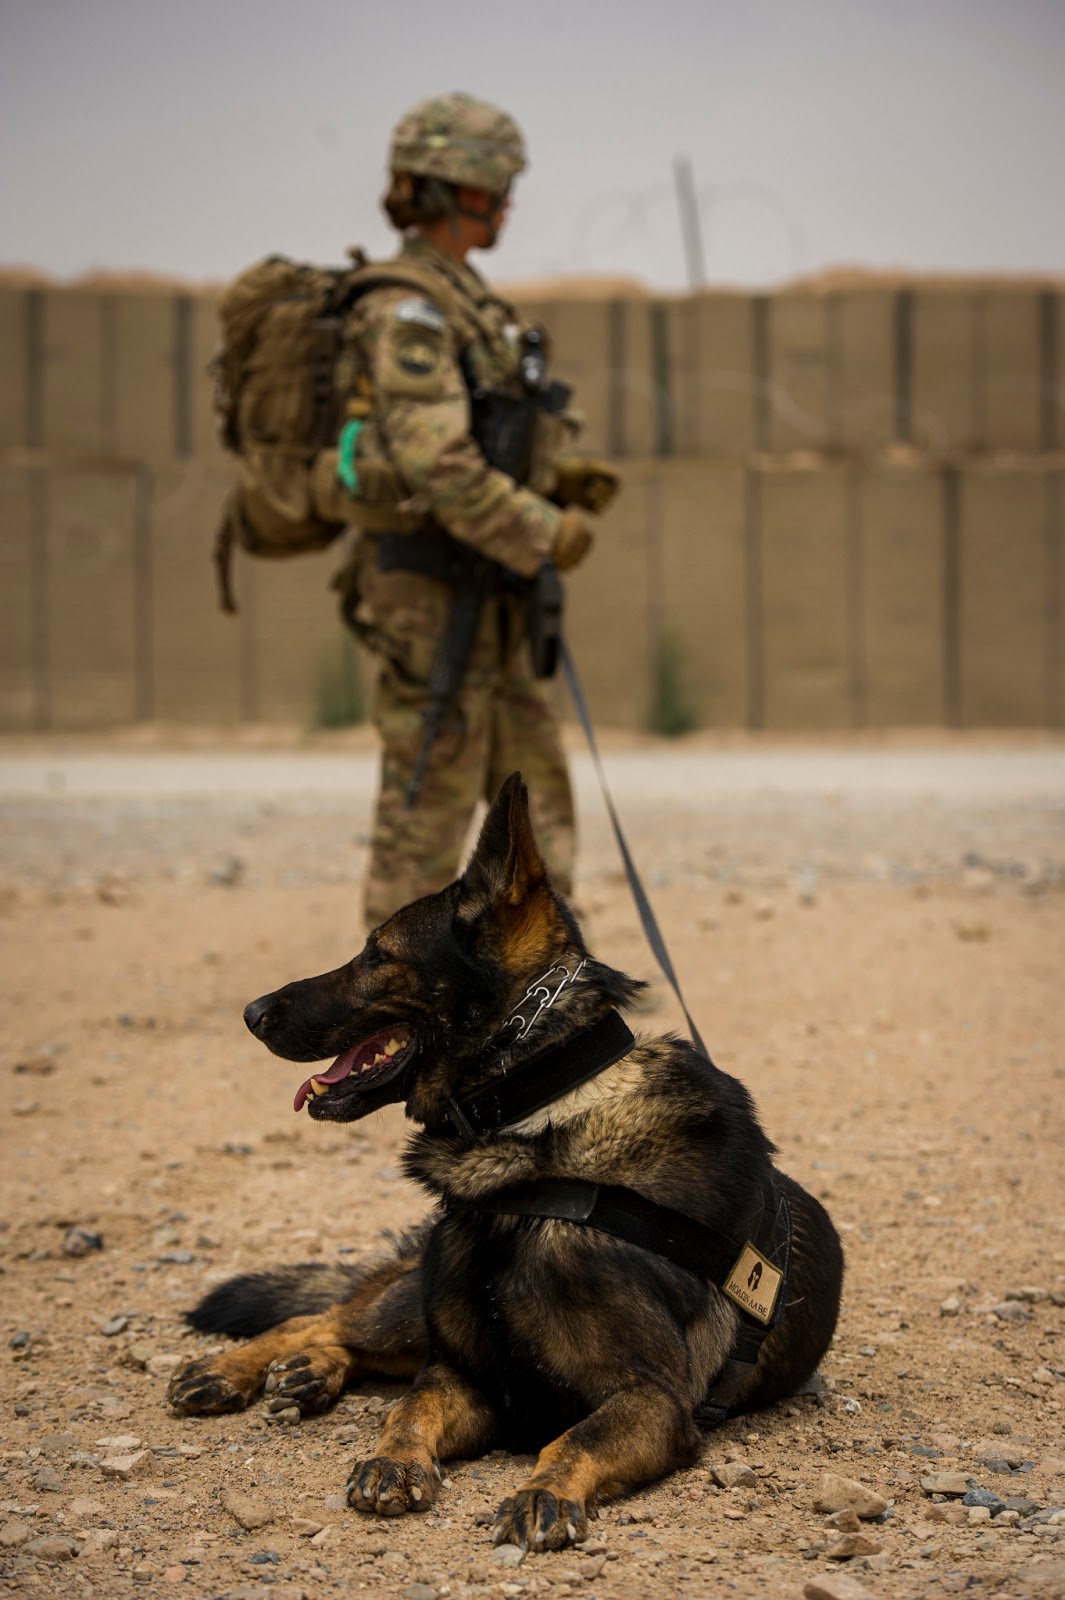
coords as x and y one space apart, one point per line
583 481
573 540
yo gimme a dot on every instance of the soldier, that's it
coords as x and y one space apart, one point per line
430 342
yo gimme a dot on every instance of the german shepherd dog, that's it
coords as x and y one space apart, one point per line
613 1261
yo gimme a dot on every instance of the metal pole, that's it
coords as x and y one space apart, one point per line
690 226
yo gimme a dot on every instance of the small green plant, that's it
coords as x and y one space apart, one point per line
671 711
338 701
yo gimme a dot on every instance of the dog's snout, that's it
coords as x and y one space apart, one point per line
256 1013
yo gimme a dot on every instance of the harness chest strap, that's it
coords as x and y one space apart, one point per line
754 1279
750 1277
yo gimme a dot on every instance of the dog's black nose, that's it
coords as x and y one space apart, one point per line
256 1013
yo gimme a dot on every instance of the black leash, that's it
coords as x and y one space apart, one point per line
647 917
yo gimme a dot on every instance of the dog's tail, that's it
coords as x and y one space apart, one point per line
255 1301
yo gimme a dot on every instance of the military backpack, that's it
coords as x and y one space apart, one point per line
285 384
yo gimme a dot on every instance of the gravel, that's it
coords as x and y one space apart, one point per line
912 1080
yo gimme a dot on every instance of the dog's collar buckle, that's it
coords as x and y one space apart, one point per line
545 990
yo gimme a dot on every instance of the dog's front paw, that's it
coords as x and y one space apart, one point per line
201 1388
536 1519
311 1380
391 1487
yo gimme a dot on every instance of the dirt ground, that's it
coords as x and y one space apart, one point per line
879 957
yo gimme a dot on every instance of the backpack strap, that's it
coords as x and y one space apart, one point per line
223 553
403 274
398 275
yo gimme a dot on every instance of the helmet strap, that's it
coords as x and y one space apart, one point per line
491 215
491 218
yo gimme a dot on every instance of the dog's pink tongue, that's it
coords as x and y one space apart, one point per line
341 1068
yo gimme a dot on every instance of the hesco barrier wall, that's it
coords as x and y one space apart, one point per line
842 509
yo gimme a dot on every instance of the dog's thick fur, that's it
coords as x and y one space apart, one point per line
537 1334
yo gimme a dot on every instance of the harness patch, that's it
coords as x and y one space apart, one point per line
422 313
754 1283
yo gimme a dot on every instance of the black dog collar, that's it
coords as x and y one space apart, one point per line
535 1083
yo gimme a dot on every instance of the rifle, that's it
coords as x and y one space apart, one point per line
503 426
474 579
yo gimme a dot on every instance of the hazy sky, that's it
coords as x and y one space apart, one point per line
190 136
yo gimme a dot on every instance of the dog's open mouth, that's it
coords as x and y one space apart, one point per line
365 1066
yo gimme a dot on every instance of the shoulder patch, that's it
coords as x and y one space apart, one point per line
422 314
417 355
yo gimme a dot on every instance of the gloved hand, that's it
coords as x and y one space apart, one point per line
573 540
586 482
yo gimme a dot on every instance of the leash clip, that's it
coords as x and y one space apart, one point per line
542 991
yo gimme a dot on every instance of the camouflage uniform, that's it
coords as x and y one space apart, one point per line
409 348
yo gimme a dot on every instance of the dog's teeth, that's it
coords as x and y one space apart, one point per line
318 1087
392 1046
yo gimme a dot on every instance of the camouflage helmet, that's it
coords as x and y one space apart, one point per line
461 140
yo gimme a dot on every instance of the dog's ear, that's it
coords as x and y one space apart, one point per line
507 863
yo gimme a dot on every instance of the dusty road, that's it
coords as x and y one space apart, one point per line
872 936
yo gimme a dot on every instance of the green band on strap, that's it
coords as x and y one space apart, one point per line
347 472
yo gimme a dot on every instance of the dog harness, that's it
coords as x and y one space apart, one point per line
752 1270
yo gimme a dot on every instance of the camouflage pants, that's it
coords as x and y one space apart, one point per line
503 723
